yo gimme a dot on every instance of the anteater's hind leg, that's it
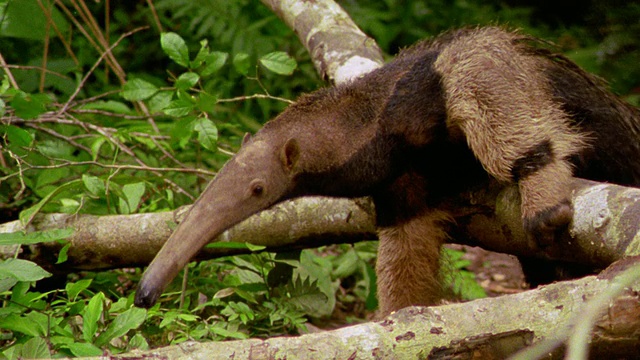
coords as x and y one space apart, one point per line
499 98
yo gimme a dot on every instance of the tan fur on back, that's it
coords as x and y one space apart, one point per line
496 95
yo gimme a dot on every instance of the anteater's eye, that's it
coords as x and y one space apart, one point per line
256 188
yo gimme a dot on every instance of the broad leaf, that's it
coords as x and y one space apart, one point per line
175 47
138 89
91 316
21 238
279 62
241 63
214 62
179 108
207 133
126 321
187 80
22 270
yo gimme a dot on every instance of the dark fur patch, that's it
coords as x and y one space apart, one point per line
533 160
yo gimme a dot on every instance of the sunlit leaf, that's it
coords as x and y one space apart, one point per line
126 321
279 62
202 54
22 238
75 288
138 89
18 136
187 80
134 193
175 47
241 63
179 108
83 349
36 348
91 316
207 133
27 215
94 184
22 270
214 62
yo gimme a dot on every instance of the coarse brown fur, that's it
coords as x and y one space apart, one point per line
445 115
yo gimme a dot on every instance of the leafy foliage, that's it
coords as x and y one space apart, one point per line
144 127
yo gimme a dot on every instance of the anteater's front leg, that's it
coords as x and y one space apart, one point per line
409 252
409 261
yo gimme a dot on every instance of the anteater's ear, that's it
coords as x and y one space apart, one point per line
246 138
290 154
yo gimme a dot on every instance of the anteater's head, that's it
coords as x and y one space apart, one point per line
260 175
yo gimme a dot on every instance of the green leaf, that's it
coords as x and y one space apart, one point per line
207 102
62 255
179 108
175 47
138 342
241 63
27 215
181 130
279 62
94 184
3 107
7 283
36 348
18 136
28 21
51 176
160 101
138 89
348 263
134 193
29 106
226 333
21 238
214 62
21 324
109 105
305 295
22 270
187 80
202 54
126 321
235 245
83 349
207 133
91 316
74 289
96 145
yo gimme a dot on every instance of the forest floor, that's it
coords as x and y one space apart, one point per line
497 273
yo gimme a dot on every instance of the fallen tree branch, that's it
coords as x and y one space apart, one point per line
605 229
486 328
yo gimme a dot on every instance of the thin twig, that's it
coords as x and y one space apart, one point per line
39 68
4 65
256 96
156 19
95 65
65 43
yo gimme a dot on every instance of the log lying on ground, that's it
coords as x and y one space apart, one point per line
489 328
605 229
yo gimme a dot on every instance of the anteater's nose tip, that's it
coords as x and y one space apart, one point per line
145 297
